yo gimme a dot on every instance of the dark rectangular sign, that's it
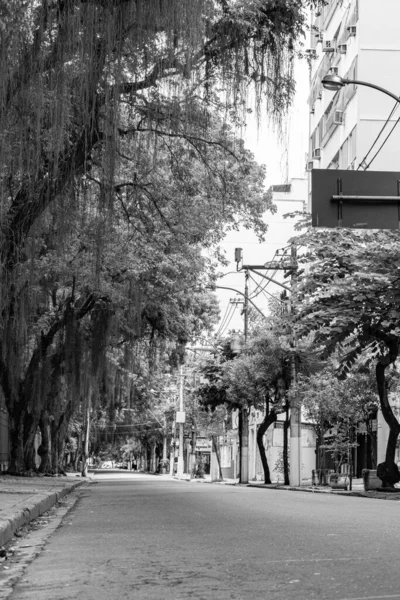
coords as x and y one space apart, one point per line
355 199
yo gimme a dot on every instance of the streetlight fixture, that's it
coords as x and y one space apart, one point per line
334 83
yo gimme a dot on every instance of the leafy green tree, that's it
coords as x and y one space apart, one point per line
259 377
338 404
350 301
116 157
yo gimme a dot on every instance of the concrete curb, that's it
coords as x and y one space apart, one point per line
36 506
354 493
299 489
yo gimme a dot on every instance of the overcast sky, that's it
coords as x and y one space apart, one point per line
284 159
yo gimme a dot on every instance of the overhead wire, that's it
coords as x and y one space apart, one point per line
228 315
377 138
267 282
254 293
383 143
266 292
230 319
223 318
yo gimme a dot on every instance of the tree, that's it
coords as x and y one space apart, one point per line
104 107
259 377
349 299
337 404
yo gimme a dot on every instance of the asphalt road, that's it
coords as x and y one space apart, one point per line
142 537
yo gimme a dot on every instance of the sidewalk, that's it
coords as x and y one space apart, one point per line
23 499
357 488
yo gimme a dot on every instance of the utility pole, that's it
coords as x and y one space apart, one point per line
244 454
173 448
180 419
295 408
243 414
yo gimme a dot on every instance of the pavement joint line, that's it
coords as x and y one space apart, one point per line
372 597
286 560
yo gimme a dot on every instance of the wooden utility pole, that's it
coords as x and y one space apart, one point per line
244 433
295 408
243 413
181 420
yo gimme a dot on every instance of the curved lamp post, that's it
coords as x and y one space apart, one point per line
334 83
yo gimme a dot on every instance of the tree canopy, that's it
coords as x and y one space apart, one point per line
350 301
120 163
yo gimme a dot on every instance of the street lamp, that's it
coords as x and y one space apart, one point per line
334 83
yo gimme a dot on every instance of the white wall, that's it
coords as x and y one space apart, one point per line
273 442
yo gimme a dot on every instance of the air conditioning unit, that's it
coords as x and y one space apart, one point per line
338 117
334 70
328 46
312 110
316 154
342 48
352 29
310 165
319 97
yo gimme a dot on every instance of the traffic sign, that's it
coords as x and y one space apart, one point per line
355 199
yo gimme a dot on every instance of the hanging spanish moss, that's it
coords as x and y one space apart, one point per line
119 161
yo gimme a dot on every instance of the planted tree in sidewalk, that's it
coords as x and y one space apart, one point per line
337 407
258 378
349 299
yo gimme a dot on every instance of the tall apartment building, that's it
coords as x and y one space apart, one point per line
356 39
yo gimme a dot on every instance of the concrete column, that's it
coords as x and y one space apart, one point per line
180 466
295 446
244 466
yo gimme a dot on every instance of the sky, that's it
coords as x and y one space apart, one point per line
284 159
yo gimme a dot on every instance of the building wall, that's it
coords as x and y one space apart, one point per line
370 52
273 443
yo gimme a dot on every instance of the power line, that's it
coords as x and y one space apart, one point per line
264 291
233 312
230 308
268 281
383 143
377 138
255 293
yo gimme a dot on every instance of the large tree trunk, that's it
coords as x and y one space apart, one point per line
388 471
286 446
22 432
85 453
270 417
45 447
216 450
16 438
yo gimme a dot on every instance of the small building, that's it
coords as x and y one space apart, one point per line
273 443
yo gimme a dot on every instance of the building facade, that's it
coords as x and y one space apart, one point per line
356 39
